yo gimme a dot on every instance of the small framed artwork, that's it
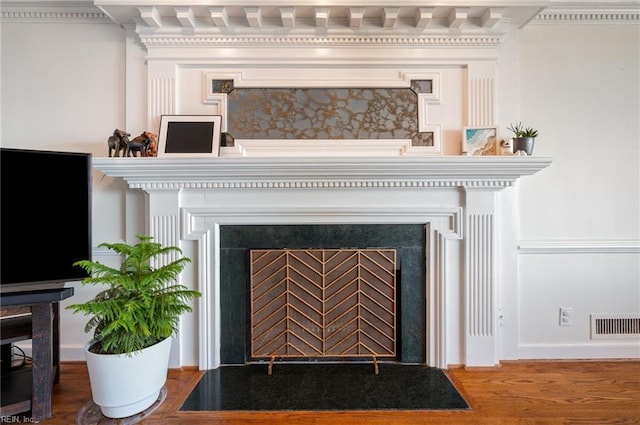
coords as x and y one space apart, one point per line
480 140
189 135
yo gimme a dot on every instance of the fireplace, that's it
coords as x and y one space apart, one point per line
283 255
462 204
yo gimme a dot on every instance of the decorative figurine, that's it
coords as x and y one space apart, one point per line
152 148
145 144
506 147
118 142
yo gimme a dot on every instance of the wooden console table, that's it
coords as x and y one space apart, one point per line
31 315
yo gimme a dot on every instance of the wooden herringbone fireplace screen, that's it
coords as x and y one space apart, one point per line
323 303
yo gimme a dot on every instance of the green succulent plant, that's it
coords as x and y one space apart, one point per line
142 304
520 131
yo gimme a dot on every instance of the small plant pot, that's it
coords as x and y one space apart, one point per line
523 144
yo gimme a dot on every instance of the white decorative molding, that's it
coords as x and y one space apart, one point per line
368 18
481 102
203 224
318 148
589 15
184 15
480 278
164 229
212 40
52 12
324 78
436 149
204 194
150 16
436 345
371 17
161 94
346 76
480 275
432 98
604 246
313 173
218 103
195 220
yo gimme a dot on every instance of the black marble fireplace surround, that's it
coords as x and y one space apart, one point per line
407 239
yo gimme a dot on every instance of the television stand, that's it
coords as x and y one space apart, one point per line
31 315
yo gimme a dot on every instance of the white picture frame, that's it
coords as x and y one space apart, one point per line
479 140
189 136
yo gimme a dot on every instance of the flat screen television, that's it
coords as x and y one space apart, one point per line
45 218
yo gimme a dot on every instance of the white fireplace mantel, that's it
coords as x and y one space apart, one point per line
466 227
443 171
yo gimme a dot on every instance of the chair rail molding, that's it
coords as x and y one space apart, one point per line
603 246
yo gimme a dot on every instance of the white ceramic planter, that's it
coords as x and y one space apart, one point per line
123 386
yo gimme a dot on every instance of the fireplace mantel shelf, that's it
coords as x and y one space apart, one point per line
203 173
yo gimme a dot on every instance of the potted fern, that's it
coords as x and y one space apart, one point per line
524 138
132 320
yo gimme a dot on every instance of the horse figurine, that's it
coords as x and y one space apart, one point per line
118 142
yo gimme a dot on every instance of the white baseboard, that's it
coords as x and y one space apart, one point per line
626 350
72 353
68 352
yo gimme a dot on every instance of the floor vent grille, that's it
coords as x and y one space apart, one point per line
615 326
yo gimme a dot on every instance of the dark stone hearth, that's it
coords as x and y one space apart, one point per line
324 387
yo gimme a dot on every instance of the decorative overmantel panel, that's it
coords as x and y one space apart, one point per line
455 198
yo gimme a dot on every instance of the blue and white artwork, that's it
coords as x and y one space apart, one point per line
479 140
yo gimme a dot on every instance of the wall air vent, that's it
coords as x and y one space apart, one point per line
615 326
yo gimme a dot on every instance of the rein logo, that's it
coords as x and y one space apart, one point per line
17 420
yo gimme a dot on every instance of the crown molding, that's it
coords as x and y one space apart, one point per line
52 12
176 40
590 15
445 17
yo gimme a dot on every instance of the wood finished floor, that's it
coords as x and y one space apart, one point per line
544 392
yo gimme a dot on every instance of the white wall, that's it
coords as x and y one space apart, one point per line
63 88
580 85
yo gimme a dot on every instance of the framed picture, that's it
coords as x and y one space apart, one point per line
189 135
480 140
